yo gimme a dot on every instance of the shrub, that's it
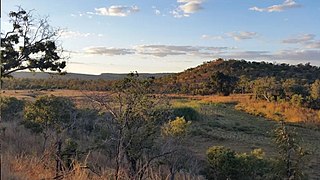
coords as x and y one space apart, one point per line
10 107
177 127
227 164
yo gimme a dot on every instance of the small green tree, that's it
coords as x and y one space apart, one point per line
315 90
132 115
267 88
291 153
244 84
177 127
49 113
174 134
227 164
223 163
50 116
297 100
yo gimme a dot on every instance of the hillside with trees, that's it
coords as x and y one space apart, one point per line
236 74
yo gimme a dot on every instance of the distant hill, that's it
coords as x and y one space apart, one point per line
104 76
197 78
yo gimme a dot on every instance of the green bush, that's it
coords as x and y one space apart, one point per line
10 107
225 163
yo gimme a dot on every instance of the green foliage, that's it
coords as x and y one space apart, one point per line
227 164
10 107
196 80
70 152
49 112
29 45
132 117
176 127
315 90
267 88
293 86
223 163
223 84
297 100
244 85
292 154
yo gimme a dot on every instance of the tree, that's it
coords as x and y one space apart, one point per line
132 115
227 164
223 84
10 108
243 84
31 44
291 87
267 88
223 163
315 90
50 116
291 153
174 134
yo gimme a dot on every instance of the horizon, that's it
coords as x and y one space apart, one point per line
172 36
123 73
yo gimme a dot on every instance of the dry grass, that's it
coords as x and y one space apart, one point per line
221 125
278 111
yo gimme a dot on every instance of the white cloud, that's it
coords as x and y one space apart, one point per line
287 4
209 37
158 50
157 12
170 50
295 55
187 7
116 10
249 55
298 55
76 34
307 40
242 35
300 39
110 51
191 7
73 34
313 44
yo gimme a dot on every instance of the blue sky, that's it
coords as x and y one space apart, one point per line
119 36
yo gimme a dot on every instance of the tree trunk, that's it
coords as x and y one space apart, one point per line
58 158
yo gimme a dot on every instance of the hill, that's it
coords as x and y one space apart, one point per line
199 77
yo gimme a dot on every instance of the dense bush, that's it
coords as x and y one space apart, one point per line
10 107
225 163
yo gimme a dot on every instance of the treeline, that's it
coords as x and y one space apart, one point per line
56 83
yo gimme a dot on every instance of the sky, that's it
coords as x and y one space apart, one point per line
121 36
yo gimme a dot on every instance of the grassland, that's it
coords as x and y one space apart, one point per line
215 121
